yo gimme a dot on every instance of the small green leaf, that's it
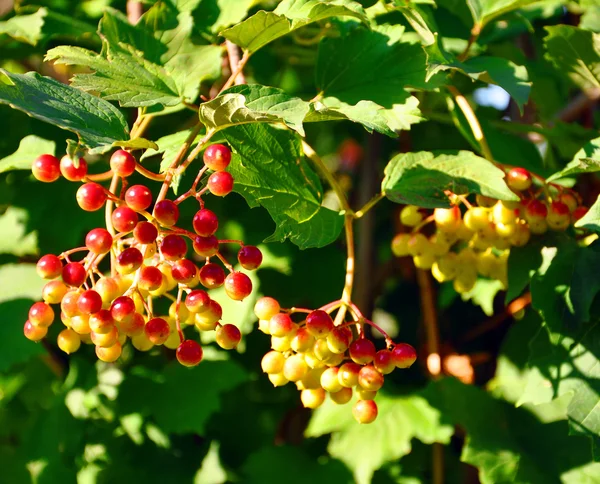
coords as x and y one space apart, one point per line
522 263
270 170
484 11
421 178
26 28
97 122
253 104
591 220
420 21
575 52
215 15
137 144
29 149
483 294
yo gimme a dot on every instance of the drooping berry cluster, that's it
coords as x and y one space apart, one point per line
322 358
476 241
149 259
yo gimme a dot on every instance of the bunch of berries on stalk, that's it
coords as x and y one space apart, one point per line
477 240
148 258
323 358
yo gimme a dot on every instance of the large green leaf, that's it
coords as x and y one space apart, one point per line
421 178
269 170
264 27
584 161
215 15
30 148
97 123
591 220
522 263
253 104
14 236
365 448
575 52
484 11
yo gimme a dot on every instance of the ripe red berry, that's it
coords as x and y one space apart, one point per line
250 257
91 196
151 278
124 219
217 157
101 322
518 179
384 361
211 276
536 210
89 302
46 168
122 309
157 330
205 222
365 411
173 247
206 246
145 232
404 355
319 323
72 172
197 301
130 260
184 271
122 163
166 213
41 314
220 183
228 336
362 351
579 212
49 267
99 241
189 353
74 274
33 332
138 197
238 286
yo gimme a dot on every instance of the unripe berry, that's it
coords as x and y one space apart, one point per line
110 354
339 340
207 320
400 245
342 397
363 394
519 179
238 286
266 308
228 336
535 211
211 276
33 332
122 163
384 361
312 380
447 219
521 235
145 232
404 355
81 324
197 301
157 330
173 247
250 257
166 213
217 157
91 196
417 244
70 171
281 324
138 197
68 305
295 368
272 362
365 411
105 340
41 314
282 343
362 351
74 274
99 241
312 398
348 374
108 288
476 218
277 379
101 322
206 246
189 353
46 168
302 341
68 341
579 212
141 342
319 323
503 214
124 219
410 216
559 216
370 379
133 326
54 291
330 381
321 350
49 267
220 183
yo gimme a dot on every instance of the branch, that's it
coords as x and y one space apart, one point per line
578 105
235 57
135 10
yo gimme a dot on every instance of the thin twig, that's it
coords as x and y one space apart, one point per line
235 56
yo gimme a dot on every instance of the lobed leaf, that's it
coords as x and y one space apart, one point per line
29 149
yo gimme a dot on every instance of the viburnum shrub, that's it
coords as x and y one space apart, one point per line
388 208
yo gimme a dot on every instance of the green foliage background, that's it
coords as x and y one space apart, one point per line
364 70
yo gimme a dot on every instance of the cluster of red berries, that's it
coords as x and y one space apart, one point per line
322 358
478 241
149 259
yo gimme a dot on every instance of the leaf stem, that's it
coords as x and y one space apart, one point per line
369 205
237 71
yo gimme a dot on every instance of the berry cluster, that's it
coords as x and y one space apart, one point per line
477 241
149 259
322 358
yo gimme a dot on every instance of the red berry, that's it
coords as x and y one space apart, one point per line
122 309
166 212
362 351
217 157
205 222
518 179
145 232
220 183
46 168
404 355
370 379
157 330
228 336
138 197
130 260
99 241
122 163
536 210
49 267
91 196
384 361
101 322
173 247
68 305
211 276
134 325
74 274
150 278
250 257
41 314
206 246
197 301
365 411
189 353
89 302
33 332
281 324
72 172
184 271
238 286
319 323
124 219
579 212
559 208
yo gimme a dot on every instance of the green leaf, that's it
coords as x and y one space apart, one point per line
192 65
14 235
264 27
420 21
483 294
522 263
269 170
575 52
29 149
97 123
421 178
364 448
26 28
484 11
215 15
137 144
253 104
584 161
591 220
